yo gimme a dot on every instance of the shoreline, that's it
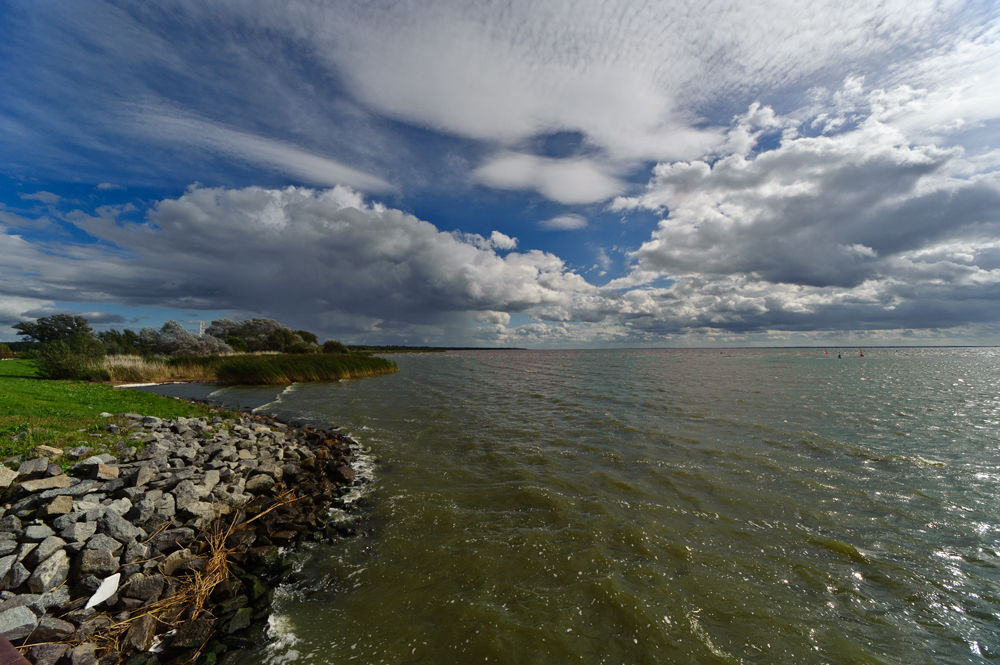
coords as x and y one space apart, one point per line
96 562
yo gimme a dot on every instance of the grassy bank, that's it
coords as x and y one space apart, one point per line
240 369
35 411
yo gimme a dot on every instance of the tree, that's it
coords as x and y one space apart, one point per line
236 344
5 352
174 340
54 328
125 343
255 332
333 346
307 336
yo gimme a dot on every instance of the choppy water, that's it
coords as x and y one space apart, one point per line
754 506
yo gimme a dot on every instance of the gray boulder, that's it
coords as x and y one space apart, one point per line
50 573
17 623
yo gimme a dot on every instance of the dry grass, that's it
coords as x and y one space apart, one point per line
194 590
136 369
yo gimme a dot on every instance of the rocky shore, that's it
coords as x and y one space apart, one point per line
166 551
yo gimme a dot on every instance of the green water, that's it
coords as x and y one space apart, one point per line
754 506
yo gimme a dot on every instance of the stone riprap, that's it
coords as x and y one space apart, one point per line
99 544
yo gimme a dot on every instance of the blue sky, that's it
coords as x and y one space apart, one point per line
535 174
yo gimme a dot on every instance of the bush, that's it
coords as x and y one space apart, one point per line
5 352
301 347
174 340
72 359
307 336
333 346
236 344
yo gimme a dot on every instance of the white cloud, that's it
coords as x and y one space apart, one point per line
488 316
563 180
43 197
564 223
106 186
168 126
298 252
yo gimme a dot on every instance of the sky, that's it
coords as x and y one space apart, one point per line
533 174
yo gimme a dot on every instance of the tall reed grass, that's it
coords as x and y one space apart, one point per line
245 369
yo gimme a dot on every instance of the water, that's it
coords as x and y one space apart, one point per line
662 506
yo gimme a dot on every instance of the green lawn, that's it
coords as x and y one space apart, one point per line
66 413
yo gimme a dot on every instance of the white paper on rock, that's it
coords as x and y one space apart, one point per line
105 591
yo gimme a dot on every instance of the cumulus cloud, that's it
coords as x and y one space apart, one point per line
95 318
852 228
563 180
295 252
488 316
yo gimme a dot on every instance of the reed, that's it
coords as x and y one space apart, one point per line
245 369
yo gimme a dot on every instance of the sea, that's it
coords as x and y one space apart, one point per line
654 506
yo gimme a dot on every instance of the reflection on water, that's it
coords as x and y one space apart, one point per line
756 506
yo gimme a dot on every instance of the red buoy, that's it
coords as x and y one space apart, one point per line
862 353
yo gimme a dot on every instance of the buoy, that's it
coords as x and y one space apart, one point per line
862 353
827 352
838 355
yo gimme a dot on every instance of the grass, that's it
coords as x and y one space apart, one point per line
66 413
245 369
277 370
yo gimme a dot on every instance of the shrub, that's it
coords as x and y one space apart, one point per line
5 352
333 346
174 340
301 347
69 359
236 344
307 336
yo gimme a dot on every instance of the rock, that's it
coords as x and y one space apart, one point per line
99 563
239 621
17 623
47 654
51 629
78 489
141 511
104 472
140 633
10 524
30 600
15 577
50 573
48 451
55 482
36 533
147 589
79 452
260 484
84 654
79 532
58 597
24 549
203 513
152 421
45 549
144 475
344 474
7 545
135 552
193 633
6 563
61 505
7 476
102 542
114 525
171 539
34 468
